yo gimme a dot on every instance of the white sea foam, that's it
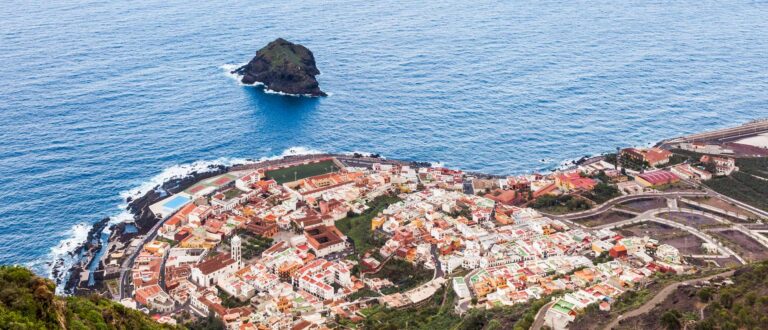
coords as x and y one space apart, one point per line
363 153
270 91
437 164
62 256
177 172
228 71
293 151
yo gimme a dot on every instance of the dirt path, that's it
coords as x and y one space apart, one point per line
663 294
445 296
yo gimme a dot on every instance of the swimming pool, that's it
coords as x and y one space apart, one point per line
176 202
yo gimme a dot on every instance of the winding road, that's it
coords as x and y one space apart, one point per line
659 298
621 199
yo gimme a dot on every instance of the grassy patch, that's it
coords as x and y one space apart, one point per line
435 315
253 245
677 159
673 186
358 227
112 286
602 193
688 155
171 242
232 193
362 293
230 301
302 171
403 274
561 204
743 187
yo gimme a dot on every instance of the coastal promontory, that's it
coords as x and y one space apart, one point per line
285 67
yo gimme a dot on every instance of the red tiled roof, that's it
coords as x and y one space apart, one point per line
655 155
213 264
659 177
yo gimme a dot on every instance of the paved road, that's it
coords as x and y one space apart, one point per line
438 267
651 216
540 316
663 294
621 199
127 265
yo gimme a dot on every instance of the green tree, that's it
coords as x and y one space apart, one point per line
726 299
705 294
671 319
211 322
493 325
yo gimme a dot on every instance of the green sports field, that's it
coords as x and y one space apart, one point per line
302 171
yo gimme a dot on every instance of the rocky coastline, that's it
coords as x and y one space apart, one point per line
143 220
283 67
84 253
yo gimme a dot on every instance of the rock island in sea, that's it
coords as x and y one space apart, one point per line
284 67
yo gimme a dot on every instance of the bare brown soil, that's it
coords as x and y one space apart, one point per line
713 262
681 239
719 203
745 246
684 300
694 220
642 205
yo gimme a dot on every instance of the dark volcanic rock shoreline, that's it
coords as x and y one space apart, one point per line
143 218
83 254
284 67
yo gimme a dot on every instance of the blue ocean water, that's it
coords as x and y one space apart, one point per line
97 98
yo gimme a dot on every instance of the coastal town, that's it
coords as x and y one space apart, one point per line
326 241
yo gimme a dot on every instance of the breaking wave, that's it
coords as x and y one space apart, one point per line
63 257
228 71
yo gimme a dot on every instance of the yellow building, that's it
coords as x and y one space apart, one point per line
377 222
196 242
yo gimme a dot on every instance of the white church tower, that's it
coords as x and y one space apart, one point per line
236 249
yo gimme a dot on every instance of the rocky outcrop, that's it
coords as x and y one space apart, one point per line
283 67
143 218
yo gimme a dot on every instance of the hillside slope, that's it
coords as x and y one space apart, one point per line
714 304
28 302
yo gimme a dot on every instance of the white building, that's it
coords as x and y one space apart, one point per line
236 247
209 272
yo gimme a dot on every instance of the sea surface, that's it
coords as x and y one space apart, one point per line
100 100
